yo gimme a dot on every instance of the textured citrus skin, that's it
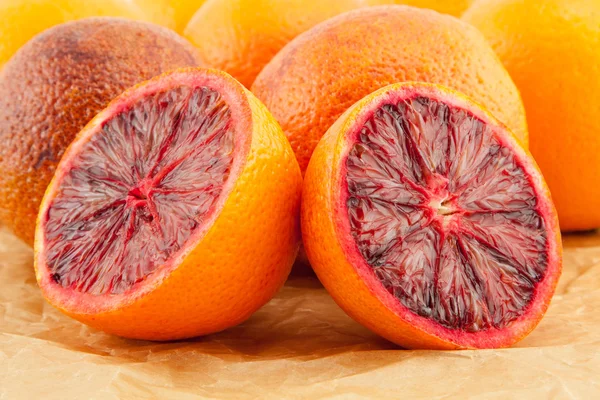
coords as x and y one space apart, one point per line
321 73
174 14
550 49
242 36
239 263
452 7
20 20
55 85
361 296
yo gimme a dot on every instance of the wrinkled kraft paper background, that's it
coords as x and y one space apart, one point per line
300 345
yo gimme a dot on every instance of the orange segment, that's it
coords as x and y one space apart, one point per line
173 214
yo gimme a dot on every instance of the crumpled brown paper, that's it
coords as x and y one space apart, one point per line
300 345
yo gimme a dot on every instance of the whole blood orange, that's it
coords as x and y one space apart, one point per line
55 85
321 73
241 36
551 49
173 214
21 20
429 223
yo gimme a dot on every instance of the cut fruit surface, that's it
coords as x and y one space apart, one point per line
145 184
160 222
443 231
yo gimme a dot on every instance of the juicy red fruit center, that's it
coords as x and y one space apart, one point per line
445 216
138 190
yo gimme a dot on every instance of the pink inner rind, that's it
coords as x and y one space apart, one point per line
138 190
444 215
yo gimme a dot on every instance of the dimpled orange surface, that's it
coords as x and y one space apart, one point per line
550 48
321 73
219 210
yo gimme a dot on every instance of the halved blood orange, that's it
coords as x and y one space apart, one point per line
174 213
429 223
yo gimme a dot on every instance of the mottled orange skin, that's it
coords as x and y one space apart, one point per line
357 296
551 49
55 85
242 36
239 263
321 73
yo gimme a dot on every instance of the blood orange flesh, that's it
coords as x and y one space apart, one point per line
144 184
443 216
174 213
